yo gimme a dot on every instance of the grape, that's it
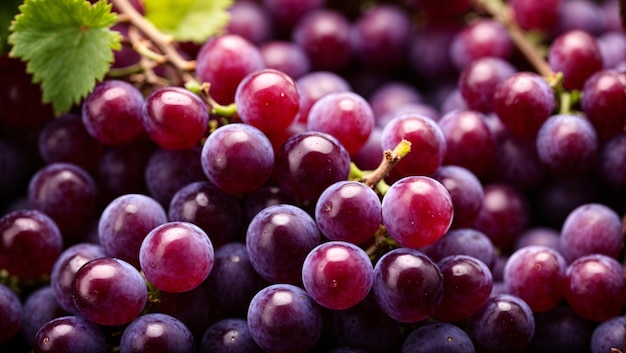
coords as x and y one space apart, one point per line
567 145
559 198
429 54
254 202
39 307
576 54
112 114
612 162
591 229
286 13
30 242
345 115
518 163
174 118
612 46
249 20
417 211
11 308
156 332
560 330
608 335
283 318
391 95
324 34
229 335
16 166
224 61
65 267
466 192
278 240
67 194
408 285
308 163
121 168
479 79
469 141
504 323
536 275
109 291
70 334
523 102
579 14
544 236
595 286
539 15
467 284
463 241
409 108
205 205
176 256
314 85
428 144
197 317
125 222
369 156
478 39
348 211
285 56
337 274
438 337
237 158
603 101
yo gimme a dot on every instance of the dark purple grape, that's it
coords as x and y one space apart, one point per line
30 242
541 15
237 158
466 192
371 154
391 95
66 193
540 235
229 335
112 114
438 337
250 20
479 79
284 318
65 268
121 169
16 169
518 163
254 202
504 323
109 291
417 211
337 274
442 12
612 162
176 256
205 205
157 333
463 241
308 163
429 54
125 222
408 285
285 56
560 330
608 335
314 85
223 61
39 307
409 109
278 240
557 199
612 46
576 54
286 13
604 102
11 309
479 39
70 334
579 14
194 308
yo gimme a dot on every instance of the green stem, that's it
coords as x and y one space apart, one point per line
224 110
565 102
390 159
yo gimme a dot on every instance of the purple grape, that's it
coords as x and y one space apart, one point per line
237 158
442 12
348 211
463 241
176 256
346 116
567 145
409 109
70 334
604 102
579 14
284 318
557 199
224 61
214 211
278 240
269 195
11 309
370 155
285 56
391 95
467 284
286 13
250 20
523 102
30 242
314 85
156 332
112 114
193 308
65 267
479 79
438 337
465 190
576 54
408 285
560 330
428 143
417 211
469 141
429 54
608 335
324 34
538 15
479 39
540 235
39 307
16 171
308 163
67 194
612 162
121 168
125 222
612 46
109 291
518 163
595 287
536 274
504 323
337 274
175 118
229 335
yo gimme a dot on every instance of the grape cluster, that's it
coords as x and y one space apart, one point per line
391 176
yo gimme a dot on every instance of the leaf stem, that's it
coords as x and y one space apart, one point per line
391 158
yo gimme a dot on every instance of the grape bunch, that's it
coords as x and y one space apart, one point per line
326 176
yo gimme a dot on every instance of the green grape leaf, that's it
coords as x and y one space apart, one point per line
188 20
8 9
67 45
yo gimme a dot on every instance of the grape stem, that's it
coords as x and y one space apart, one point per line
390 159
